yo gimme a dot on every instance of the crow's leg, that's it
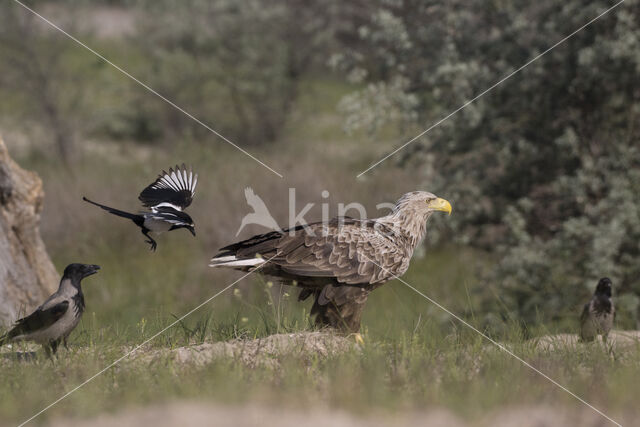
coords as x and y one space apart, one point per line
54 346
152 242
64 342
51 347
609 345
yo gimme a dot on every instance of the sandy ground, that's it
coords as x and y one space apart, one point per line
202 414
258 352
265 351
618 340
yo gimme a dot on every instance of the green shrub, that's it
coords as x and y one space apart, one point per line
545 169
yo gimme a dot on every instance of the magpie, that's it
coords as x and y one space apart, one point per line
166 198
598 314
54 320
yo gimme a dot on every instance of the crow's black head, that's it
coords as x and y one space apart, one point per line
604 287
77 272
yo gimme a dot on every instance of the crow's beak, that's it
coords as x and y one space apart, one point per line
93 269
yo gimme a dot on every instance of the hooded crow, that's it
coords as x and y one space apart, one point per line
598 314
54 320
167 197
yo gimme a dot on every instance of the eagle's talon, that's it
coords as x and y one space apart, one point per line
358 338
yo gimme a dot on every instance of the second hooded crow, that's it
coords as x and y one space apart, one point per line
166 198
598 314
54 320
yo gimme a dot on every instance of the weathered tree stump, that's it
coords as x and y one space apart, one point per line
27 275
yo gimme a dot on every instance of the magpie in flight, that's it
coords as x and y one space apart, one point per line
598 314
54 320
167 197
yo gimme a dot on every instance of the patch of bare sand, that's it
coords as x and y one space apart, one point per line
618 340
258 352
551 416
251 415
202 414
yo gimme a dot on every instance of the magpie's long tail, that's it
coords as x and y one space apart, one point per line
117 212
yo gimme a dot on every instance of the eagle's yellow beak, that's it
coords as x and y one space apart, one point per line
440 205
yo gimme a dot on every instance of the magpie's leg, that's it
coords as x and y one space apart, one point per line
152 242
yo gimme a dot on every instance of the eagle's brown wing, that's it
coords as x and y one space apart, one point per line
352 252
326 259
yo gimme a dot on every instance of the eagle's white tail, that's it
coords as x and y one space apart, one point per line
231 261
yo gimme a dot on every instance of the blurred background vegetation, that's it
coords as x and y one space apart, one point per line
543 172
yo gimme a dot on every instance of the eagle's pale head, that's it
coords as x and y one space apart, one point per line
422 203
413 210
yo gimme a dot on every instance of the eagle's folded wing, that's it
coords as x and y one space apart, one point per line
352 252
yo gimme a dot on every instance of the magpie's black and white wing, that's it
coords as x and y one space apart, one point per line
168 215
40 319
174 189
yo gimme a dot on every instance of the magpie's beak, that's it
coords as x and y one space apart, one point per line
192 230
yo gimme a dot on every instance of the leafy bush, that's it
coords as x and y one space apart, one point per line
545 169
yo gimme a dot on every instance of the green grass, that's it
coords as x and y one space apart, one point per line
415 356
415 369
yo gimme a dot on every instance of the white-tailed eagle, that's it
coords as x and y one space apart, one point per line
340 262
